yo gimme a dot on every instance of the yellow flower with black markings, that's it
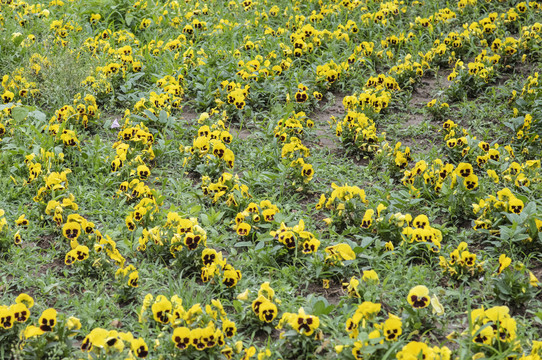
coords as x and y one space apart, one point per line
143 172
47 319
392 328
267 311
139 347
243 229
231 277
6 317
20 312
418 297
17 238
181 337
470 182
303 323
161 309
22 221
71 230
228 328
515 205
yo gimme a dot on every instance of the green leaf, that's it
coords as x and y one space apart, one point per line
162 118
243 244
19 113
321 308
150 115
38 115
318 307
128 19
204 219
237 305
195 209
502 288
18 40
366 241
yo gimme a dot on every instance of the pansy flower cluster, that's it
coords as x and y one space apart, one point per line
371 337
12 317
3 221
293 125
103 342
398 157
461 263
82 112
249 220
210 148
53 181
422 232
526 126
129 274
365 311
198 328
343 203
143 211
352 287
336 254
514 282
16 88
61 210
16 313
423 178
416 349
289 132
228 187
133 147
497 213
5 120
296 237
172 235
77 228
215 266
45 161
358 128
264 306
235 95
303 171
493 326
301 322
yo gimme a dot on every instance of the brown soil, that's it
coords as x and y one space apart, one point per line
243 133
57 263
46 241
537 271
333 294
429 87
423 93
414 120
324 133
189 114
426 91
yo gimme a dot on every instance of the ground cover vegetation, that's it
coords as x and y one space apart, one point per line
353 179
